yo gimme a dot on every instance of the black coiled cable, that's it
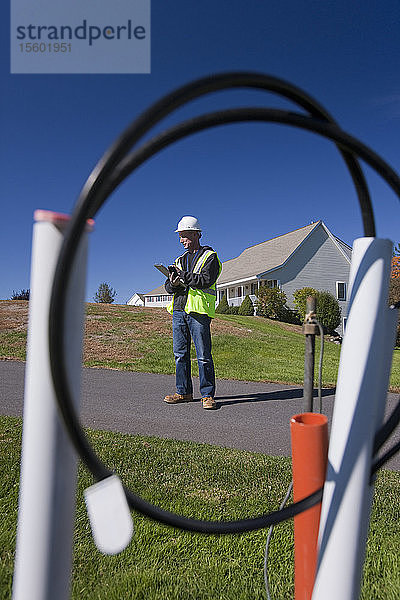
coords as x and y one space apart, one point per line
116 164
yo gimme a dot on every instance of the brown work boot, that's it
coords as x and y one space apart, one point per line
208 402
177 398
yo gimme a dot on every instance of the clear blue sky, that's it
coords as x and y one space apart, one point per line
245 183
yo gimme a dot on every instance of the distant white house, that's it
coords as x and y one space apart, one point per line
136 300
157 298
307 257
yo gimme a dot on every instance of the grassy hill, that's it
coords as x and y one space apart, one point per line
140 339
192 479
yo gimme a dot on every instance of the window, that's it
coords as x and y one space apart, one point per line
253 288
341 290
272 283
239 291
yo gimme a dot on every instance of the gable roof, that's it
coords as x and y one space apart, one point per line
272 254
346 249
141 296
158 291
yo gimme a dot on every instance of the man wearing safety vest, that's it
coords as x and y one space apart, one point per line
192 283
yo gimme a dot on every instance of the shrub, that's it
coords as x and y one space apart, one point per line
328 309
394 296
270 302
300 299
223 306
246 308
105 294
329 313
290 316
21 295
233 310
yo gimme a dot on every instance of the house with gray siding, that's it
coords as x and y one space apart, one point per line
311 256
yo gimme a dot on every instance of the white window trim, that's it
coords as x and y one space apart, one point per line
345 291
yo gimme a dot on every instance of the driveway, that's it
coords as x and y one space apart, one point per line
250 416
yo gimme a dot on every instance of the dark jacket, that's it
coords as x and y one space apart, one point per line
200 281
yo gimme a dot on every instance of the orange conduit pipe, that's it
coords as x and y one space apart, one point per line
309 433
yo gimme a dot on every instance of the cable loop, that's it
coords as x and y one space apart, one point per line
117 163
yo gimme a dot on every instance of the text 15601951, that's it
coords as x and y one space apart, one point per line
48 47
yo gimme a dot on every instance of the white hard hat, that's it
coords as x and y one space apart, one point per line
188 224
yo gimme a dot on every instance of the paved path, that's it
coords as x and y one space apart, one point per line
250 416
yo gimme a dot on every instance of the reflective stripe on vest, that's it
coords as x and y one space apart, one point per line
199 301
198 267
201 261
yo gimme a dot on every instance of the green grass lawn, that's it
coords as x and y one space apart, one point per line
271 352
201 481
140 339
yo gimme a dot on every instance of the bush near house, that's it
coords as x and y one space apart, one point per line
328 309
233 310
329 313
290 316
223 306
300 299
246 308
271 302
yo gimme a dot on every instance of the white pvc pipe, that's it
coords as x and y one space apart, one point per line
48 468
359 406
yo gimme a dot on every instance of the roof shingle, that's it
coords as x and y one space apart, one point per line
264 256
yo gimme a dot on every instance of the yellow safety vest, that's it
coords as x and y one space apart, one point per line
199 301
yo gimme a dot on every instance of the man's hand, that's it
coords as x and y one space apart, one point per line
174 278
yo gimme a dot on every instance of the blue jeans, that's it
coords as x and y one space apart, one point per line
196 327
